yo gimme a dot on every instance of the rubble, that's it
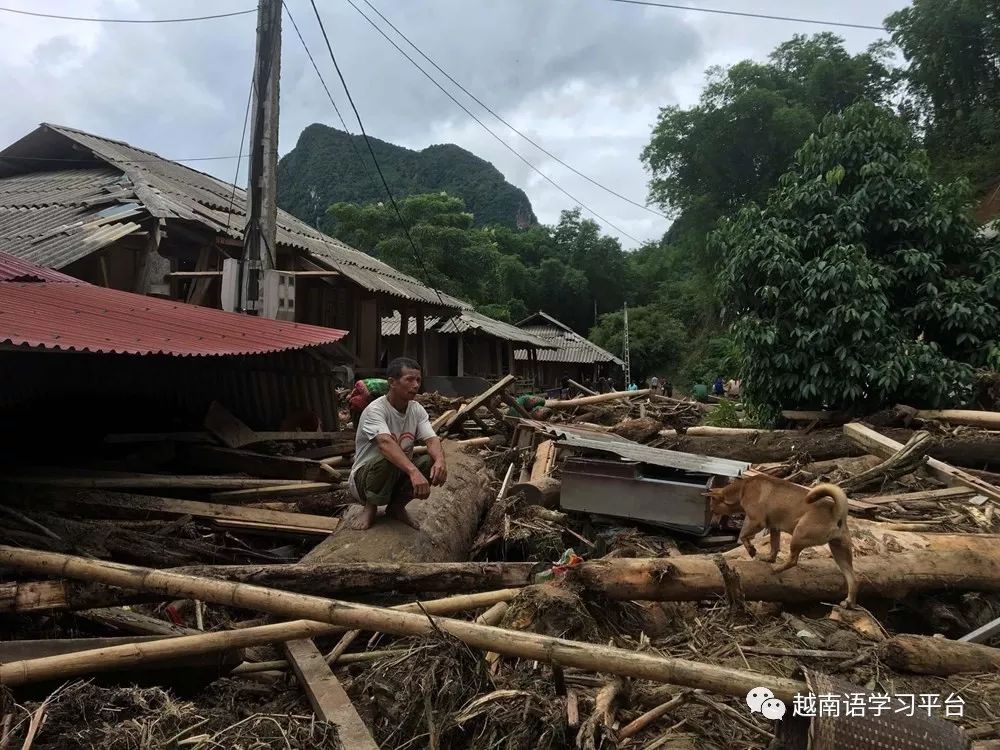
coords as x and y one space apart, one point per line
590 629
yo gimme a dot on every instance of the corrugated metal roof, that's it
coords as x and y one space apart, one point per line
577 437
15 269
55 218
81 317
170 190
569 345
468 320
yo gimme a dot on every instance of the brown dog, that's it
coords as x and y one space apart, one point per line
808 515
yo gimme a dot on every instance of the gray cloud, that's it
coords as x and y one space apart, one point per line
583 77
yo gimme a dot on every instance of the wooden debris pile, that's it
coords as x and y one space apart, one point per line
258 618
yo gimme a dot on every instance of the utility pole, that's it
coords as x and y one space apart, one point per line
627 358
260 233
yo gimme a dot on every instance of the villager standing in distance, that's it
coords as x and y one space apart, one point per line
384 471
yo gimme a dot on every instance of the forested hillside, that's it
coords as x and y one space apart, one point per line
330 166
823 245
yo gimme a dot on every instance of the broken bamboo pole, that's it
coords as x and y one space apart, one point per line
572 403
922 654
587 656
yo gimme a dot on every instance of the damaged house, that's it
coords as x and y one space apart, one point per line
569 354
117 216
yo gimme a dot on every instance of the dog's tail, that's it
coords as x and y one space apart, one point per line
832 491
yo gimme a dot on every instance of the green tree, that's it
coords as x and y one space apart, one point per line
446 253
732 146
953 50
656 340
862 281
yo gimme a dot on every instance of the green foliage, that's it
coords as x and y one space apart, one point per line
656 340
734 144
953 50
324 169
569 270
725 414
862 281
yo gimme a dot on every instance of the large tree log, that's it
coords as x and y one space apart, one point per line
971 450
449 519
923 654
544 491
988 420
587 656
889 564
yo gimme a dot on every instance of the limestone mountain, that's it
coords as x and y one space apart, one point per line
324 169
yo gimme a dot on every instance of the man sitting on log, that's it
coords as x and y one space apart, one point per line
385 471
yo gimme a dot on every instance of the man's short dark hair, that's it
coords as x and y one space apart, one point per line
396 367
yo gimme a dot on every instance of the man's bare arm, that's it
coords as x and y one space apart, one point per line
439 472
389 448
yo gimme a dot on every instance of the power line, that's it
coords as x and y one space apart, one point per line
236 179
350 137
490 131
745 14
501 119
385 184
128 20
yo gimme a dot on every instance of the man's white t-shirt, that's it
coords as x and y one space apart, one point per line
381 418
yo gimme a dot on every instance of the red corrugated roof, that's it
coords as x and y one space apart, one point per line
15 269
76 316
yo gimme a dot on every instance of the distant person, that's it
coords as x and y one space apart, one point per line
733 388
654 385
700 392
385 471
633 387
718 388
604 385
668 389
365 391
534 405
565 385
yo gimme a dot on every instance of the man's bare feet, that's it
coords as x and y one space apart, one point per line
398 512
364 519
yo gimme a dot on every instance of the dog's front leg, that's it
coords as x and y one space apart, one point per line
750 528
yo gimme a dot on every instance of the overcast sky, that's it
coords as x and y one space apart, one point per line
584 78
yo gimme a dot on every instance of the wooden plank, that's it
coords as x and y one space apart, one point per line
582 388
470 409
227 428
303 521
159 437
272 528
128 621
285 490
326 695
883 446
124 480
286 436
233 460
947 493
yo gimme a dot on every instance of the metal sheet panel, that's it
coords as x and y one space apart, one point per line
623 490
604 442
86 318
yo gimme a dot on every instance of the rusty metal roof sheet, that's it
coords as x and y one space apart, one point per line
80 317
15 269
568 345
169 190
578 437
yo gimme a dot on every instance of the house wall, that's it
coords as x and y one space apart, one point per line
59 395
116 272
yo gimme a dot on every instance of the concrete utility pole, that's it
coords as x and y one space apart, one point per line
259 238
627 353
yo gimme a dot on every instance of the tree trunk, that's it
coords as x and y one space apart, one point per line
587 656
449 519
638 430
544 492
572 403
930 562
921 654
975 451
